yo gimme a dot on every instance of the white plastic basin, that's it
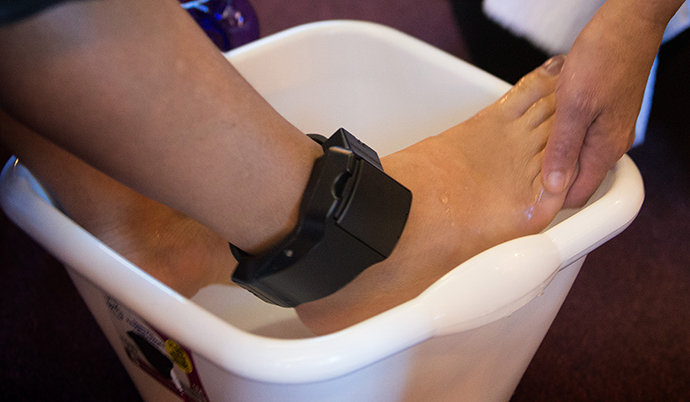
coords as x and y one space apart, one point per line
469 337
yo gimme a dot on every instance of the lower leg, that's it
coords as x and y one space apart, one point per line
167 244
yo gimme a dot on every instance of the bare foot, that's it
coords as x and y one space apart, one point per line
168 245
474 186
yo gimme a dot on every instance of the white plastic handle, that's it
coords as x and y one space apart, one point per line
492 285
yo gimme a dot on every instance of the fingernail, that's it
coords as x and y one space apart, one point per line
553 65
555 182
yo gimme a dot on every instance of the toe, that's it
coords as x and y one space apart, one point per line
531 88
539 112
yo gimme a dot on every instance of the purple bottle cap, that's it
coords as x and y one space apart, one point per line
229 23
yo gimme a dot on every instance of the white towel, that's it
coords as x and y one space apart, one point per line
553 25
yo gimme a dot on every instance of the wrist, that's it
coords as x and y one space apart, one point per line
648 16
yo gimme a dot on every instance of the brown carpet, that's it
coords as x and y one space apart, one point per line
623 334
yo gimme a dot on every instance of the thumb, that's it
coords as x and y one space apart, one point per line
563 148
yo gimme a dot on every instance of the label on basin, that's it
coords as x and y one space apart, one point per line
170 363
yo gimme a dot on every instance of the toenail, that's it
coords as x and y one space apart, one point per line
553 65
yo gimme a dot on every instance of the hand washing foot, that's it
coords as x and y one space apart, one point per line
474 186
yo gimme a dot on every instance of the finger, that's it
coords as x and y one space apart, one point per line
586 183
600 152
571 123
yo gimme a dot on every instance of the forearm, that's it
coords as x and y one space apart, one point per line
645 19
135 89
655 12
